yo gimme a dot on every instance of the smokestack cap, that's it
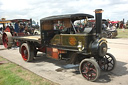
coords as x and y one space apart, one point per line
99 11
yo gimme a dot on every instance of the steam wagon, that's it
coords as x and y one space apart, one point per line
69 37
16 27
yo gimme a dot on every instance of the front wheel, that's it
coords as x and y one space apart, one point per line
89 69
107 62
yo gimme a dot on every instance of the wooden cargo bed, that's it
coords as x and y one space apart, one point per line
34 38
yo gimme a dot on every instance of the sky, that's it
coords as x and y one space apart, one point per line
37 9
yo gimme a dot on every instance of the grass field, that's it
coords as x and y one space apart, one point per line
12 74
122 34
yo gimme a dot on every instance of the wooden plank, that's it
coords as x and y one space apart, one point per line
31 37
28 38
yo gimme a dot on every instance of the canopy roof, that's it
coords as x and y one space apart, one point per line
19 20
68 16
14 20
4 21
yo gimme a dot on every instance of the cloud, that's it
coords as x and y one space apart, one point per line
37 9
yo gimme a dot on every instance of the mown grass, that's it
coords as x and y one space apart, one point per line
122 33
12 74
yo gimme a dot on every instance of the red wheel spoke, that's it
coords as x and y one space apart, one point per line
94 70
94 74
84 72
85 68
85 76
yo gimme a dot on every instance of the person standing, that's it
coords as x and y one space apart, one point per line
117 25
122 26
16 27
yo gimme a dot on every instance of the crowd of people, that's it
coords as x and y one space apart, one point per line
18 27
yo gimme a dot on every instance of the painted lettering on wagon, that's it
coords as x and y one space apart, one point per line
72 40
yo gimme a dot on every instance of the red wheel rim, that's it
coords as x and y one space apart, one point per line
5 40
88 71
24 53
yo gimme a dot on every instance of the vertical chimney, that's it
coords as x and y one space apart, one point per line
98 17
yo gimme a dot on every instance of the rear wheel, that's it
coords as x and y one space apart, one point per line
7 40
89 69
27 52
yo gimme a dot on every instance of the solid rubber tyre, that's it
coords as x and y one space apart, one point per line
27 52
7 39
89 69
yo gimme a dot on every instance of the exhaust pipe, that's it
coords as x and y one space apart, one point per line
98 17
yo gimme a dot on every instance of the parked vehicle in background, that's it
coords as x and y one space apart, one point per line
110 32
109 29
18 27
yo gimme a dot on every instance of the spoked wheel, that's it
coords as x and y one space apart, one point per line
27 52
7 40
89 69
107 63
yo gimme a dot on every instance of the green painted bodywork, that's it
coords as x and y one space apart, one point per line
56 40
65 39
